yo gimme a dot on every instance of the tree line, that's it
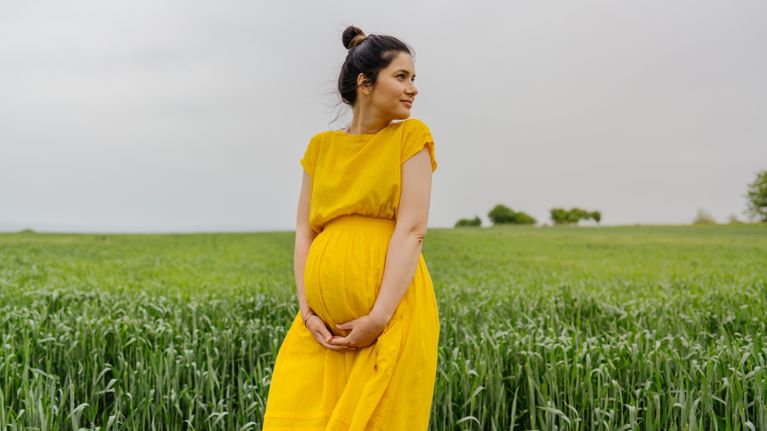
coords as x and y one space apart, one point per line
501 214
756 197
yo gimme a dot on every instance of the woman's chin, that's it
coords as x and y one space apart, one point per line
402 115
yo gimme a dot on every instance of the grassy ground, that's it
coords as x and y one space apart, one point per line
636 327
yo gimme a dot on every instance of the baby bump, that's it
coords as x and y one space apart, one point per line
344 269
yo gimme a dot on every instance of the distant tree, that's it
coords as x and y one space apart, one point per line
469 222
501 214
573 215
524 218
558 215
757 197
703 217
577 214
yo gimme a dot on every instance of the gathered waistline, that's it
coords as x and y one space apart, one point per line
358 220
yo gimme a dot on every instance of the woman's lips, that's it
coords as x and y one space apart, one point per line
407 103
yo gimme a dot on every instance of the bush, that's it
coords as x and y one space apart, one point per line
703 217
573 215
469 222
502 214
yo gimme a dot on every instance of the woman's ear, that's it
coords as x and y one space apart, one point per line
363 83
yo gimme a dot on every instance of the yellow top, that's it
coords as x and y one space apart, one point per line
362 173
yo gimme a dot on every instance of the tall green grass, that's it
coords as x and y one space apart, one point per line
566 328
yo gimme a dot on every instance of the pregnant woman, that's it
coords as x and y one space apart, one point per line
361 354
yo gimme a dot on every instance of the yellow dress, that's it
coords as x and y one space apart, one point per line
356 182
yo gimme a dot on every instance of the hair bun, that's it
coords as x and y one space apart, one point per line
352 37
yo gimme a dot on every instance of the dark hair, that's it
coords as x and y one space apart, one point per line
368 55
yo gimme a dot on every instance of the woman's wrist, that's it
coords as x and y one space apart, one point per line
379 316
306 311
306 316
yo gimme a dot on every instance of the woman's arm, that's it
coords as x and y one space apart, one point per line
406 242
304 237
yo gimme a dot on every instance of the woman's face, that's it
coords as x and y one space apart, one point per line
395 87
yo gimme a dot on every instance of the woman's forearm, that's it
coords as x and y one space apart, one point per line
402 259
303 243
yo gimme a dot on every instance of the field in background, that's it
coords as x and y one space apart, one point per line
636 327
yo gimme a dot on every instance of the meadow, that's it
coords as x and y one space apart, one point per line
542 328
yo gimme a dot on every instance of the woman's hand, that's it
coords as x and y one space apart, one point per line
320 331
363 332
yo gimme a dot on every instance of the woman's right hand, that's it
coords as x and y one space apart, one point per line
320 331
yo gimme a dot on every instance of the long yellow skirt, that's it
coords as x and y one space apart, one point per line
386 386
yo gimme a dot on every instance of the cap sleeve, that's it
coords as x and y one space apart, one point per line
417 136
309 159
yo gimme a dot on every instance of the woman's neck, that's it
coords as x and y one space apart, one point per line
368 123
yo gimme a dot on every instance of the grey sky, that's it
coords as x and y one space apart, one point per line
147 116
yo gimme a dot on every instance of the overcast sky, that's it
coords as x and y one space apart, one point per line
156 116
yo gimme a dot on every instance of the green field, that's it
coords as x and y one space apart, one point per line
567 328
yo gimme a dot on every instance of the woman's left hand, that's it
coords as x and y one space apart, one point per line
363 332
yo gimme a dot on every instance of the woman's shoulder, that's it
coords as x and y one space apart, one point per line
319 137
415 128
323 134
414 124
